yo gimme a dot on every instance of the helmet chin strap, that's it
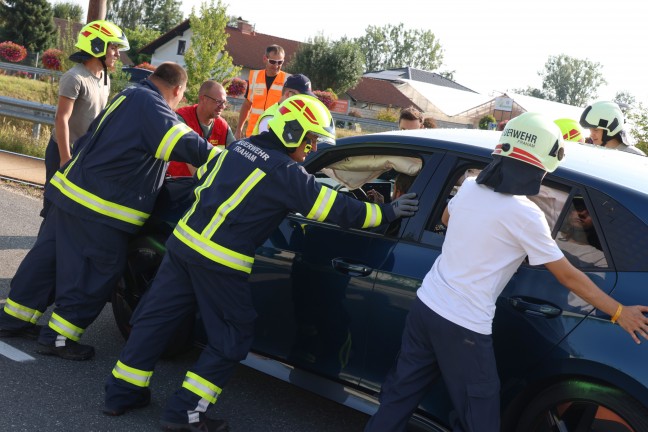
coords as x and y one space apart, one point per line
105 69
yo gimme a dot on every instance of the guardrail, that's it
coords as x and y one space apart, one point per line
34 71
35 112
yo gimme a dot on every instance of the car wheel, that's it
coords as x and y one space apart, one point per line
144 257
583 406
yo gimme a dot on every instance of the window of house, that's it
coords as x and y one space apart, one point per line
182 45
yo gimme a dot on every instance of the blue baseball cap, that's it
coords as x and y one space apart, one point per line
299 82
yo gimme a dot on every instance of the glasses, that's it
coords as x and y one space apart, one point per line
219 103
275 62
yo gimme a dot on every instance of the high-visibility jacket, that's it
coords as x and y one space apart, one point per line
218 136
118 167
260 97
244 194
266 116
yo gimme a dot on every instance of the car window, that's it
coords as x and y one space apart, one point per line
577 236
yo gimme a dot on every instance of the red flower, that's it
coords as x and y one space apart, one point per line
52 59
235 87
146 65
327 98
12 51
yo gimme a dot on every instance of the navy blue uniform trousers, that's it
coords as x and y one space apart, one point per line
431 346
224 302
52 164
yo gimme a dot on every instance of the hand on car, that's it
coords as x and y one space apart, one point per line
375 196
634 321
406 205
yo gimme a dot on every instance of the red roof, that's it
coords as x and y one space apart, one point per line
381 92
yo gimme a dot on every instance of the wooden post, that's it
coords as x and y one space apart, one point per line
96 10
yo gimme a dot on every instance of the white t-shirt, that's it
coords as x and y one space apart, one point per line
488 236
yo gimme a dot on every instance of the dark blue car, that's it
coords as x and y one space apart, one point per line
332 301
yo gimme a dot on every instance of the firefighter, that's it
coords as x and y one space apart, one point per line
99 198
241 197
606 122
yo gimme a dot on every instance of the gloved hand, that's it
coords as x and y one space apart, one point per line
405 205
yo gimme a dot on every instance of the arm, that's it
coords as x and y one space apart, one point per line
445 217
243 115
631 318
61 119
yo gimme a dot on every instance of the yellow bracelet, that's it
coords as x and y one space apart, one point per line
617 314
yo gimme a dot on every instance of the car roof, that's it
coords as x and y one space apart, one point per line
617 167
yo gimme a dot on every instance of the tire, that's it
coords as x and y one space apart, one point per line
144 257
583 406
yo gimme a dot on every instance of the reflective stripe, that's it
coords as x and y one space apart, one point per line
206 184
97 204
212 154
232 202
201 387
65 328
373 217
137 377
257 111
170 139
21 312
276 87
323 204
110 109
213 250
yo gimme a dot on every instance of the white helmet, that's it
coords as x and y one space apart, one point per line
603 115
534 139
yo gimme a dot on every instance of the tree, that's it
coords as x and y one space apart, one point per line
127 14
531 91
162 15
570 80
68 11
28 23
67 39
625 100
138 39
335 65
390 47
206 57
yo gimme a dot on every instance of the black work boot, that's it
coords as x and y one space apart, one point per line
70 351
30 332
144 399
204 425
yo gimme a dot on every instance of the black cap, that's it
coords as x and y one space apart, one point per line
299 82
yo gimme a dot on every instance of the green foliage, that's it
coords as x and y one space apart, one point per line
484 122
66 40
119 79
530 91
138 38
161 15
625 100
28 23
68 11
388 115
570 80
637 116
393 46
125 13
206 57
328 64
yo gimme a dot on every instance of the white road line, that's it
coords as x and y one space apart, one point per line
14 354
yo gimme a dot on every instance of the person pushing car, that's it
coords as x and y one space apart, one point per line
241 197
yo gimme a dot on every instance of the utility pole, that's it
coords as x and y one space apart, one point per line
96 10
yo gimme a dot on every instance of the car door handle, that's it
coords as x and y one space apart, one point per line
535 307
349 268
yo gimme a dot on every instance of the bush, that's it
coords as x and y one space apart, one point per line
235 87
12 52
52 59
486 121
328 97
388 115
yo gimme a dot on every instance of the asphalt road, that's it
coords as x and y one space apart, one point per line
49 394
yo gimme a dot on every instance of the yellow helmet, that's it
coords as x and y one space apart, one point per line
299 115
534 139
95 36
571 130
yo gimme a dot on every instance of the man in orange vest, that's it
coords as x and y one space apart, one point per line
205 119
264 90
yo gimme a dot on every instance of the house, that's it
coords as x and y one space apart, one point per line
244 45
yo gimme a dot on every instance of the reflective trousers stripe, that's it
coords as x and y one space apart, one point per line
373 217
201 387
170 139
212 250
96 203
137 377
322 205
21 312
63 327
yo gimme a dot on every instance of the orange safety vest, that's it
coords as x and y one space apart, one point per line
260 97
218 137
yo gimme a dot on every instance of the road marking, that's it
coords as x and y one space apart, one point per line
14 354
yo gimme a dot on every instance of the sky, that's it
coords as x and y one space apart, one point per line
491 46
